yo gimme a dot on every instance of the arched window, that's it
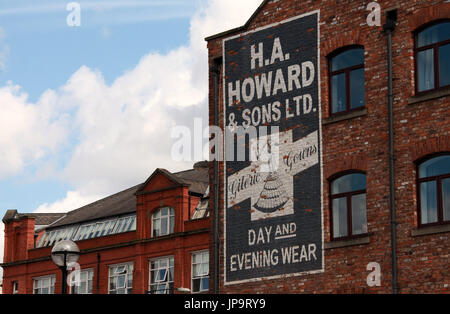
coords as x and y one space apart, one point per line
163 221
348 206
432 57
433 181
346 70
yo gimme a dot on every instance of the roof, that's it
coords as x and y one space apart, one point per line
124 202
196 179
117 204
41 219
240 28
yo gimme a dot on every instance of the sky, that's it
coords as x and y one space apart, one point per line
87 110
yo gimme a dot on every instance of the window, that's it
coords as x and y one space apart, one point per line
84 286
44 285
347 80
432 56
125 224
15 286
200 271
348 206
163 221
434 190
89 230
121 279
161 276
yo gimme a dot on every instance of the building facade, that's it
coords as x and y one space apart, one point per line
358 200
151 238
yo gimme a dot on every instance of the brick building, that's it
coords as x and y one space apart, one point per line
364 117
150 238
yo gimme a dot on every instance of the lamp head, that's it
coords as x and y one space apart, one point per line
65 253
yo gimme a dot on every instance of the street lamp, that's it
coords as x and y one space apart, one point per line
65 253
183 290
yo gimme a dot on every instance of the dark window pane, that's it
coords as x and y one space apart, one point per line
172 224
435 167
196 285
347 59
359 217
444 65
446 199
434 34
349 183
357 88
428 202
425 70
338 93
340 217
205 284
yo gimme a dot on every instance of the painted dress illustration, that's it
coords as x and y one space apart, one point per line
273 196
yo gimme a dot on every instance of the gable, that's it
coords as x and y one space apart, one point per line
243 27
159 180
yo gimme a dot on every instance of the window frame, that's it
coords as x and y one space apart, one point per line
51 287
348 196
169 226
150 269
346 71
198 277
438 179
435 49
15 287
91 280
127 274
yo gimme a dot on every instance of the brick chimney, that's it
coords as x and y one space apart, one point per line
19 236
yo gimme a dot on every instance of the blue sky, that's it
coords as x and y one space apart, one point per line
43 51
88 111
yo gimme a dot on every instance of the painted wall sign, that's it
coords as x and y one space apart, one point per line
273 216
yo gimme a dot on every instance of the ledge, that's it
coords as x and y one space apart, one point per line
430 230
429 96
346 243
341 117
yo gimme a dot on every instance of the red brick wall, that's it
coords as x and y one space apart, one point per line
361 143
18 233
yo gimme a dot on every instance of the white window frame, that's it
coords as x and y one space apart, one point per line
128 284
157 218
89 282
15 287
170 260
202 275
38 284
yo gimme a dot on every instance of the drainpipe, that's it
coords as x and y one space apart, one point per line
98 274
216 73
391 18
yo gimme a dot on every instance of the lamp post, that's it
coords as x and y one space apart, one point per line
65 253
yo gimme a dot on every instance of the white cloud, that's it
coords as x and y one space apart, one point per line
28 131
72 200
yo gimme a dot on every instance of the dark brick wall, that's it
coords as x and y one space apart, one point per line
421 128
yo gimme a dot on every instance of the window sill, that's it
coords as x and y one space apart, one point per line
346 116
346 243
430 230
429 96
